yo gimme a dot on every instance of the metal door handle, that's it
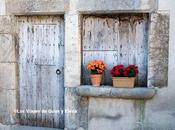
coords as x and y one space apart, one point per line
58 72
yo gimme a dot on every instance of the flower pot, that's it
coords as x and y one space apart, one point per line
96 79
124 82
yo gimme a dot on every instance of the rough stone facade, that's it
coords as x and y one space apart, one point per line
21 7
158 52
115 6
8 70
95 113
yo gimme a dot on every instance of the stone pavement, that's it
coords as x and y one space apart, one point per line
17 127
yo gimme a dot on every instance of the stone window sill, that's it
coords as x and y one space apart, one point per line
111 92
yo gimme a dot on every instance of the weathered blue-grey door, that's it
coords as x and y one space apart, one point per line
41 64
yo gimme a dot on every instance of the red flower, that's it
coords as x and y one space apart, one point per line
117 70
120 71
125 73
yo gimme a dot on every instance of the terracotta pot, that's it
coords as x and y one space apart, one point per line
96 79
125 82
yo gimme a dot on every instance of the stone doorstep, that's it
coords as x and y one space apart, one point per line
18 127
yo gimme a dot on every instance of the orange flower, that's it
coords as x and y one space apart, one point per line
96 66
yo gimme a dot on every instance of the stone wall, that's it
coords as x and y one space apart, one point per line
158 49
8 69
93 113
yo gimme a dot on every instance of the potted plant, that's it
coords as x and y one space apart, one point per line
124 77
96 68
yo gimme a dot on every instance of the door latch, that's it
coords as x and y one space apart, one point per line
58 72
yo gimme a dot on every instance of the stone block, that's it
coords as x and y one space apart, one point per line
110 114
111 92
71 104
159 41
22 7
158 53
159 112
8 106
114 6
159 23
7 48
8 76
2 7
7 24
79 118
158 73
83 113
158 50
72 50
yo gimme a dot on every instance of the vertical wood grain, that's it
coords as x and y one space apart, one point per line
41 40
119 39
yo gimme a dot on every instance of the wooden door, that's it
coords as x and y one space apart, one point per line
41 56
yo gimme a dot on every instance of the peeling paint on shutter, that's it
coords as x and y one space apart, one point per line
119 39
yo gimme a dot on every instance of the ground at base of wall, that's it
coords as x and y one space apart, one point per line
17 127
